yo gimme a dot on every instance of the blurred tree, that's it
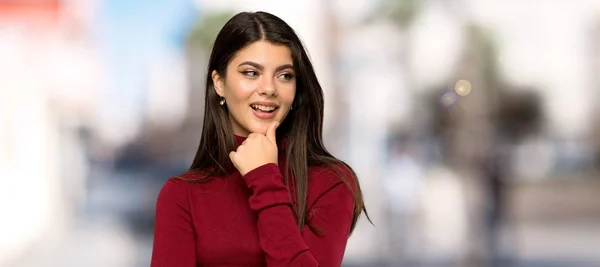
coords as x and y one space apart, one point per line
205 30
463 122
402 13
477 132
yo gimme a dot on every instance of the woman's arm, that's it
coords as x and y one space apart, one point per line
281 240
174 239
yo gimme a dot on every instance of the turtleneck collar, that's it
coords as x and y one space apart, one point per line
239 140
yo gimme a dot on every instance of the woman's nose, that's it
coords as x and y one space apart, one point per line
268 88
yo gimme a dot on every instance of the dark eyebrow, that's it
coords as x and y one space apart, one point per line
260 67
283 67
253 64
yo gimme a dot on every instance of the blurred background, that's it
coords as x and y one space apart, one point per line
472 124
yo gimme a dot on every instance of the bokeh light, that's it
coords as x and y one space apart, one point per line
462 87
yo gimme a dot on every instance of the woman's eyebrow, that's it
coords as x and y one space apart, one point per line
261 67
253 64
283 67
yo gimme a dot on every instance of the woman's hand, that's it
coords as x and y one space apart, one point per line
256 150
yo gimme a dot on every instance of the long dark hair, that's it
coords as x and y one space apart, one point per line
304 141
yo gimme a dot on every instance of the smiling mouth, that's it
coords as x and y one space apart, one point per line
265 109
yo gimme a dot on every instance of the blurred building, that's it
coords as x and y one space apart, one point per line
595 69
32 189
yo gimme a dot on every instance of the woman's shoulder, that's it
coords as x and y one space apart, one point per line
193 184
190 176
178 184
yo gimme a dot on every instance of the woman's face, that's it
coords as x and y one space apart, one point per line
259 87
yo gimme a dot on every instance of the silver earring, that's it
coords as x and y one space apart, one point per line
222 102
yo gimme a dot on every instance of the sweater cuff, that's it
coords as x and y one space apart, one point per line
268 189
258 172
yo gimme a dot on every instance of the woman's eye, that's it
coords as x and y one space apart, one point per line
250 73
287 76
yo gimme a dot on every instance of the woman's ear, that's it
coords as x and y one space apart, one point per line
218 83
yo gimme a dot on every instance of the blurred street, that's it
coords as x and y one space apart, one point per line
473 125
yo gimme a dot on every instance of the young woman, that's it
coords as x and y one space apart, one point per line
262 189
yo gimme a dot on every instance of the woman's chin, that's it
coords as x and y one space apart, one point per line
259 128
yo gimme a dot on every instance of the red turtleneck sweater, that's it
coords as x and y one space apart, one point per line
249 221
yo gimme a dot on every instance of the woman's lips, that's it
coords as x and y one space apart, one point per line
264 115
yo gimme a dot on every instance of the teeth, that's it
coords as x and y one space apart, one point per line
263 108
